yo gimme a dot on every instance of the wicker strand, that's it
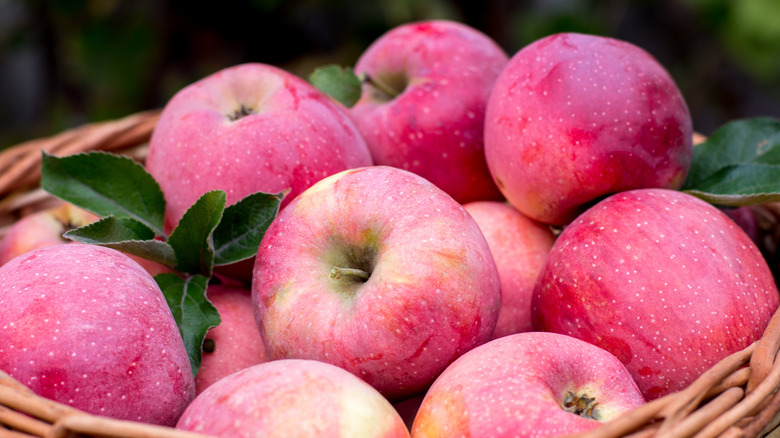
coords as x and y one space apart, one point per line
766 350
20 165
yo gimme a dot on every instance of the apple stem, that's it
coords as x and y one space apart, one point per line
381 85
581 405
337 273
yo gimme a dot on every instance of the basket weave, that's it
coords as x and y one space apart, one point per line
737 397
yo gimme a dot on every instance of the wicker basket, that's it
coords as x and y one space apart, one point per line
737 397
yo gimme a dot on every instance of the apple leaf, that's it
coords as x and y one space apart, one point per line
105 184
242 227
192 311
192 239
127 235
340 83
738 165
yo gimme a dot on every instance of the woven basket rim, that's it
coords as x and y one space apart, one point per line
736 397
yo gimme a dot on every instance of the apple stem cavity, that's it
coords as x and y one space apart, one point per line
581 405
382 86
241 112
337 273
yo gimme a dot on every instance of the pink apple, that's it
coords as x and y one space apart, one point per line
519 246
661 279
46 227
292 398
432 122
88 327
378 271
42 228
249 128
235 343
574 118
748 220
527 385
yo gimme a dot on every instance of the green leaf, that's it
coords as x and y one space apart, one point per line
105 184
192 311
127 235
341 83
243 225
738 165
192 239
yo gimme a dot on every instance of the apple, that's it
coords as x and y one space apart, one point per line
88 327
528 384
380 272
42 228
235 343
663 280
285 398
423 108
747 219
519 246
245 129
574 118
46 227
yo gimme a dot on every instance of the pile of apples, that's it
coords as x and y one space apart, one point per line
478 246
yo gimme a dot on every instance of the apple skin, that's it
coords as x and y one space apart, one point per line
237 343
285 398
519 246
432 291
747 219
435 127
42 228
46 227
515 386
664 281
88 327
292 136
573 118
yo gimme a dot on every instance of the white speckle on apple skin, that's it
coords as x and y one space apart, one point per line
691 300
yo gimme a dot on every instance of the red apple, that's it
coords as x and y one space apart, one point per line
574 118
88 327
40 229
661 279
519 246
527 385
378 271
292 398
748 220
46 227
431 119
235 343
245 129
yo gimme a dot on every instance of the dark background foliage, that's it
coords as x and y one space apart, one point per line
68 62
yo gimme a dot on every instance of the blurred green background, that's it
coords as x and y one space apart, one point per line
65 63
